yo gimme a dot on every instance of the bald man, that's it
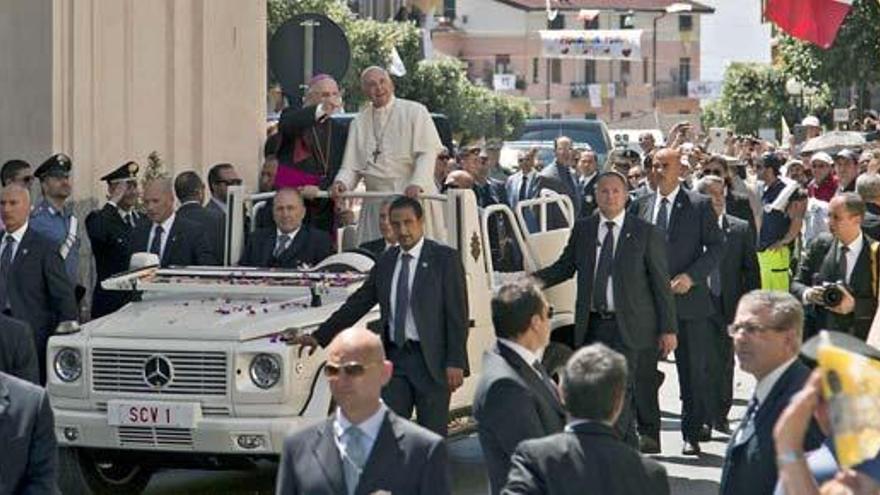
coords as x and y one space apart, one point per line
363 447
694 247
392 147
34 286
311 148
175 240
290 244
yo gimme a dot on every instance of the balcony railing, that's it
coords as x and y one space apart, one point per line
582 89
671 89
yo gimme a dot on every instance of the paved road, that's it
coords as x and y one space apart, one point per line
688 475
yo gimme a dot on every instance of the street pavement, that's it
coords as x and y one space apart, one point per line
688 475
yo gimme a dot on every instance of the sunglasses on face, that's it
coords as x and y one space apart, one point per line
352 369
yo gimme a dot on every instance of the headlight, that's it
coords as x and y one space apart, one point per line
68 364
265 370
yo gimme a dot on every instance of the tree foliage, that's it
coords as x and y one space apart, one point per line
853 59
441 85
753 96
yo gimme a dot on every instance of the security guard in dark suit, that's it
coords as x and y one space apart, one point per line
109 231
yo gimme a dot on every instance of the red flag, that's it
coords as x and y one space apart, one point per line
816 21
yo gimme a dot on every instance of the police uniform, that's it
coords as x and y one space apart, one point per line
58 226
774 263
109 231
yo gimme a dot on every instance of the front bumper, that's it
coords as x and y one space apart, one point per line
218 435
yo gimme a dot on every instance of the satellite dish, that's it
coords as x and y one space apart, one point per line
306 45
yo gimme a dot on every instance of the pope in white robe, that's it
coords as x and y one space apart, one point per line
392 145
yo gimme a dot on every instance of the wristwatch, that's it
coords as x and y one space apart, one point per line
787 457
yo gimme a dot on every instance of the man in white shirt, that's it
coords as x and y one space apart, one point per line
363 447
843 257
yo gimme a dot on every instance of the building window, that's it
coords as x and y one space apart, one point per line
535 70
625 115
592 23
449 9
625 70
590 116
684 75
502 64
627 21
645 70
556 71
558 22
589 71
685 23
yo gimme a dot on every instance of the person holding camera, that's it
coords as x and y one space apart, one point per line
838 277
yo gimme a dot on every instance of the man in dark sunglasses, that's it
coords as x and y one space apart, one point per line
17 172
220 177
363 447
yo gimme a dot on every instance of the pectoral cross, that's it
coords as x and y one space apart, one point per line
376 154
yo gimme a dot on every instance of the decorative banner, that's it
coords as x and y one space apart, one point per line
504 82
612 90
704 90
595 91
618 44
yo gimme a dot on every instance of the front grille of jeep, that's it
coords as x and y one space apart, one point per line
148 436
193 372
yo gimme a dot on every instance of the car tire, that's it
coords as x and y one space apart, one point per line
82 473
555 357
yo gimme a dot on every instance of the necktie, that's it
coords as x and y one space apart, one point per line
663 215
156 245
356 457
545 377
283 239
129 219
401 307
747 428
5 264
524 188
842 262
715 282
604 269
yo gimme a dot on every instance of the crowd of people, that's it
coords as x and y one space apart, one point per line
674 251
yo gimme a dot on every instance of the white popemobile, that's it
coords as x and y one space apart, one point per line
194 373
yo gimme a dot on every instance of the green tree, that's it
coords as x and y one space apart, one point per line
852 61
441 85
753 96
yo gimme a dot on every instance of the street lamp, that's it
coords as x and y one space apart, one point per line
674 8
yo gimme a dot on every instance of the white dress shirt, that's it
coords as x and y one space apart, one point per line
410 329
370 427
670 198
600 237
18 235
855 249
765 385
528 356
166 229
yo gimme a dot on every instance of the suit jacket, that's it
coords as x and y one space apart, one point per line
511 404
110 237
588 196
590 458
820 265
437 299
493 192
738 205
871 222
17 354
551 178
309 246
739 265
29 464
376 246
514 182
186 245
643 301
39 290
695 245
750 463
212 222
405 458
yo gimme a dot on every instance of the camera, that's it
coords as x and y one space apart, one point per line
832 293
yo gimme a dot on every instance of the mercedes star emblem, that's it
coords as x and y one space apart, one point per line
157 371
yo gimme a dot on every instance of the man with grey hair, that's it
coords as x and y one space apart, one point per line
736 274
172 238
766 332
392 146
588 453
844 260
868 187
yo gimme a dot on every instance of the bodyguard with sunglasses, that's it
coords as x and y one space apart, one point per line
364 447
420 288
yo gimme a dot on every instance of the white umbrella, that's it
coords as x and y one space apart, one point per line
834 141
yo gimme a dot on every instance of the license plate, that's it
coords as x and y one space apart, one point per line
167 414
